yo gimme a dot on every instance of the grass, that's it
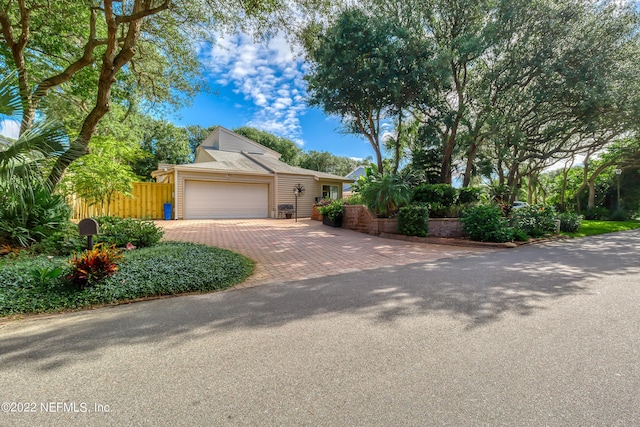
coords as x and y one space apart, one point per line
592 228
37 284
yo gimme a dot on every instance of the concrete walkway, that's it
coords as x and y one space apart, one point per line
285 250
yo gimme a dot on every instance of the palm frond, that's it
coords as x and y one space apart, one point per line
10 102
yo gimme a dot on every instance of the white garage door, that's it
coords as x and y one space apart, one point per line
205 200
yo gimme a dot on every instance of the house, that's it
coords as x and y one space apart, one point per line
353 175
234 177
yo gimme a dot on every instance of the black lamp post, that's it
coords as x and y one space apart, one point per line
298 191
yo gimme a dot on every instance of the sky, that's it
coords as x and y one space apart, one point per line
261 85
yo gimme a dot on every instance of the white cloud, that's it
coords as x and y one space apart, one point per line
10 128
269 76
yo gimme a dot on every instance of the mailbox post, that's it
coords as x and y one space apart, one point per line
88 227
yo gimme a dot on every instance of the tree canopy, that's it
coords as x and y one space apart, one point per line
500 88
127 52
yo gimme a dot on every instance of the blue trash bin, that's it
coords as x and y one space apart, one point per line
167 211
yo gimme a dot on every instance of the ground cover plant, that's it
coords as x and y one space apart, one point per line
39 284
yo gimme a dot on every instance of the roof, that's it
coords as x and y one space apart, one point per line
357 172
277 166
229 161
225 140
227 152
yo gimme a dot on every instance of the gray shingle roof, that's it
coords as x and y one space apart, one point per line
281 167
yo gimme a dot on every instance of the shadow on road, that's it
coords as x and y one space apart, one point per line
475 290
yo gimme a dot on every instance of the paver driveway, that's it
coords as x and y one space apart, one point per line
285 250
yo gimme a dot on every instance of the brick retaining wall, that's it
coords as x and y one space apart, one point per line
359 218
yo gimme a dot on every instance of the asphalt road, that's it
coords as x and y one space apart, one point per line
539 335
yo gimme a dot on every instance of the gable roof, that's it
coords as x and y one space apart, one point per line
222 139
277 166
223 152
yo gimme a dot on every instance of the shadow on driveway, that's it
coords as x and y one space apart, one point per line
475 290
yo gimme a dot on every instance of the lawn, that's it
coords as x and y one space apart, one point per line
38 284
592 228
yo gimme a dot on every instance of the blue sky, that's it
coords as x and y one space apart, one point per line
261 85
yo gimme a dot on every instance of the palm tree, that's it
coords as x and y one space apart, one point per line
42 141
29 211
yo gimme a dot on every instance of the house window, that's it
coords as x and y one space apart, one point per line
330 192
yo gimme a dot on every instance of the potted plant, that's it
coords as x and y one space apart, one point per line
332 213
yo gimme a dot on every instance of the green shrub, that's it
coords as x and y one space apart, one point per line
29 212
413 220
354 199
569 221
620 215
120 231
333 210
519 235
469 195
384 194
535 220
442 194
485 223
599 213
64 241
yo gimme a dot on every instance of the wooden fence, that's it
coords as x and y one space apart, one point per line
147 202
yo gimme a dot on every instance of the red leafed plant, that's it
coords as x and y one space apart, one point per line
93 265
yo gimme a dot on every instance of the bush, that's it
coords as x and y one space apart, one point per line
333 210
354 199
620 215
64 241
599 213
569 222
535 220
469 195
29 212
94 265
120 231
443 194
485 223
413 220
384 194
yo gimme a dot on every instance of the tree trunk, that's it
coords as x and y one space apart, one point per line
398 143
592 193
471 156
112 62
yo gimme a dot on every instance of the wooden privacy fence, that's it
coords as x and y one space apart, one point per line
147 202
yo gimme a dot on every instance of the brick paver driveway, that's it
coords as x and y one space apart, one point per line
286 251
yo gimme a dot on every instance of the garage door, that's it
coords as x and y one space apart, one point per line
204 200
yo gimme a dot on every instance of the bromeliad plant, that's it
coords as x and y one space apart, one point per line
94 265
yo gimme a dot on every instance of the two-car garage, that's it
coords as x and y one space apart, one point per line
216 200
